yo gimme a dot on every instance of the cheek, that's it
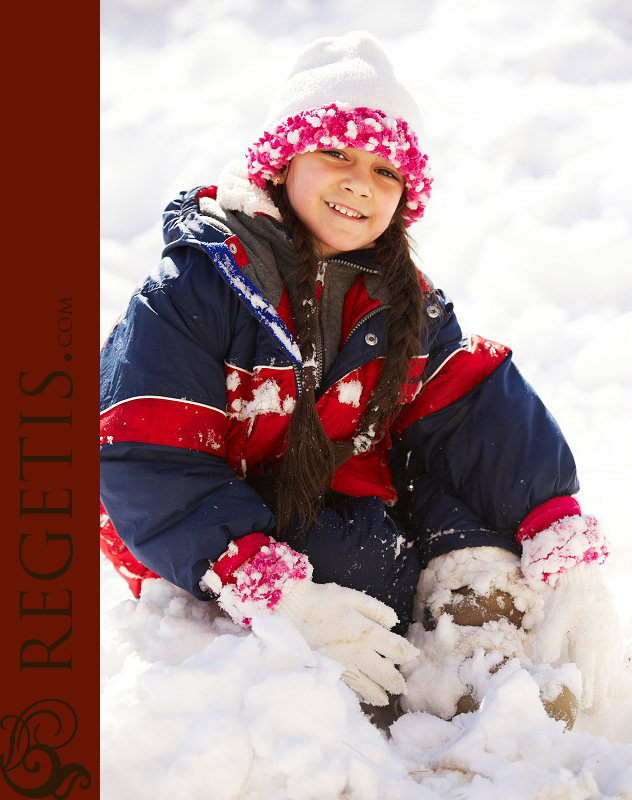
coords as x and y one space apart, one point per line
294 197
299 189
392 205
389 207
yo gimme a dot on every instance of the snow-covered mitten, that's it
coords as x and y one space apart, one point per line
476 609
579 621
344 624
462 607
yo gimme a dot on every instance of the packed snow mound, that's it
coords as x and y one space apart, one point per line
198 708
195 706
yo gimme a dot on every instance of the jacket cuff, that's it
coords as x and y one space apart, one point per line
546 514
237 553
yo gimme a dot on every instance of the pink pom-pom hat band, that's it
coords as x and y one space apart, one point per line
337 127
567 543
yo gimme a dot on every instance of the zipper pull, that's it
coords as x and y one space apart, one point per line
320 279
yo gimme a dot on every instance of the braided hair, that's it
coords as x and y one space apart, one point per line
311 458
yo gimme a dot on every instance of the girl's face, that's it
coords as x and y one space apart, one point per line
346 198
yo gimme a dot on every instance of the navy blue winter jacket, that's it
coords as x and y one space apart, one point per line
200 375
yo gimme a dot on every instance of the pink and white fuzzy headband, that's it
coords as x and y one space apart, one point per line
341 127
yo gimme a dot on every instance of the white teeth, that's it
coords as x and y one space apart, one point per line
345 211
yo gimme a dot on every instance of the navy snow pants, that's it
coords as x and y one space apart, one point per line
361 543
358 545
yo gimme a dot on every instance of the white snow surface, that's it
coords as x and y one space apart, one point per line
528 114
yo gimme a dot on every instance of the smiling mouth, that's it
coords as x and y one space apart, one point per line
346 212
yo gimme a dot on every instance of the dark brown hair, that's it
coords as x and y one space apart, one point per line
311 458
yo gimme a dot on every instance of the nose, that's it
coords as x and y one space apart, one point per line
357 180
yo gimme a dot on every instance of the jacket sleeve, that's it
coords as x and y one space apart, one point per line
479 429
165 484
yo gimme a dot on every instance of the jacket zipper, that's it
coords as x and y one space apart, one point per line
320 278
360 322
355 266
364 318
320 345
299 380
369 314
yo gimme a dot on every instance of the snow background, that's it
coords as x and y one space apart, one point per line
528 110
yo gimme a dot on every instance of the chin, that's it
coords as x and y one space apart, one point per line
345 245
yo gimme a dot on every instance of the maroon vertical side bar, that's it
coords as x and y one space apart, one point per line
49 272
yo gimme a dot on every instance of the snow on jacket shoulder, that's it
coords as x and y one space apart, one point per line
200 376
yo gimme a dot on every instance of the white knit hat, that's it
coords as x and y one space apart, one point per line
343 93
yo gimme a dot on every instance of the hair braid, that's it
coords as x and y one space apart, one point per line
309 462
311 458
405 326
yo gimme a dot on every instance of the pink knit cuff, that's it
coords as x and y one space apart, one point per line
259 583
546 514
567 543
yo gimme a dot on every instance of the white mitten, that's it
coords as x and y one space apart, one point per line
352 628
580 611
344 624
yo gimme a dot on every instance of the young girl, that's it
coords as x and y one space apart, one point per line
293 422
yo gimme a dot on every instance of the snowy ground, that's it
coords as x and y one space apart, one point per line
529 121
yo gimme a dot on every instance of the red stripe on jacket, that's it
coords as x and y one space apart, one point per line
164 421
458 375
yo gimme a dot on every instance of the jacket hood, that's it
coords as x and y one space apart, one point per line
198 219
235 192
